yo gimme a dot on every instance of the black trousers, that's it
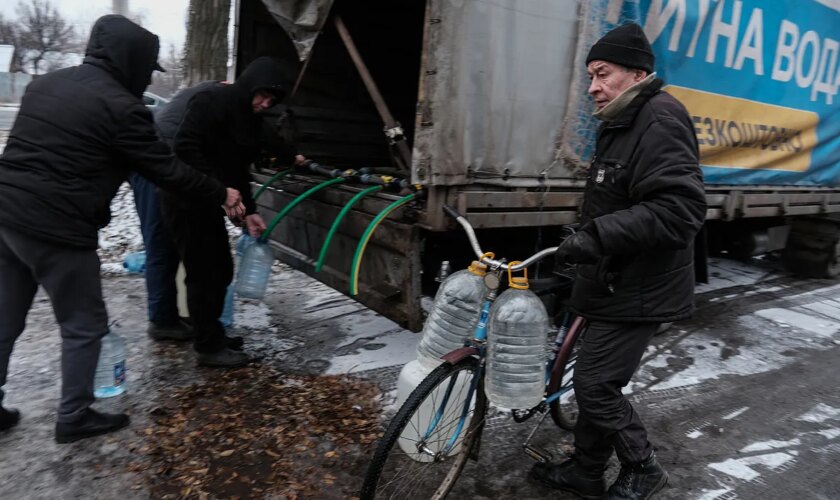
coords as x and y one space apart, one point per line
609 355
70 276
202 242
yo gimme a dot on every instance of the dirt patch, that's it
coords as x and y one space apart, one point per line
255 432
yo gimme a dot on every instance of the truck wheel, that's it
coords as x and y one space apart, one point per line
813 249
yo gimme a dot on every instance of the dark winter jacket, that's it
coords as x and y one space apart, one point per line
213 128
78 133
645 201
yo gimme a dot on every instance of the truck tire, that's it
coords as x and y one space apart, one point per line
813 248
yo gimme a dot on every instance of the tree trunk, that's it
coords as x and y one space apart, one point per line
206 51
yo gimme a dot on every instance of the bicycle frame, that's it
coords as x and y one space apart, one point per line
477 345
563 350
452 435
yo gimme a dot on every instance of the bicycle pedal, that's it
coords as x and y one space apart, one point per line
538 454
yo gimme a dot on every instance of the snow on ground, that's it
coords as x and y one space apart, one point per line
122 235
811 326
726 273
820 413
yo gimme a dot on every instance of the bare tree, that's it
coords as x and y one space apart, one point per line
42 30
167 84
9 35
207 41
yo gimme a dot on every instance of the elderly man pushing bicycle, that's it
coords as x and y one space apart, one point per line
643 205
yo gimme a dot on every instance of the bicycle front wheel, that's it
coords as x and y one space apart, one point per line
428 442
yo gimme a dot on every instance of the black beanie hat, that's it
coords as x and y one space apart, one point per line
626 45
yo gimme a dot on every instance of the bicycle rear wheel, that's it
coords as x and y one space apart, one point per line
408 464
564 411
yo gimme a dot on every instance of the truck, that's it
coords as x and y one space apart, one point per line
483 105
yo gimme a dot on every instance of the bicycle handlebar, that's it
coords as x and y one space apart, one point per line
460 219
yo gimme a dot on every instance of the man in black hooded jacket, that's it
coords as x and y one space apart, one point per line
216 128
644 202
78 134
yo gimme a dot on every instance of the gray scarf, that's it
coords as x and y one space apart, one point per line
614 108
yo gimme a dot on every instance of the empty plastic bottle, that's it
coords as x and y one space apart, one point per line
252 279
135 262
110 370
516 338
241 245
454 314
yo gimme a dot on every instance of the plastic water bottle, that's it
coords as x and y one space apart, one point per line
454 314
516 338
110 370
135 262
241 245
252 279
226 319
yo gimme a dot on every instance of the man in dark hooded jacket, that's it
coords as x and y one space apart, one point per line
216 128
79 132
644 202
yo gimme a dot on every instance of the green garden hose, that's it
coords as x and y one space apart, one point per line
337 222
360 249
269 182
288 208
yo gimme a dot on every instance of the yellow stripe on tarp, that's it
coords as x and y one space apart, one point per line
740 133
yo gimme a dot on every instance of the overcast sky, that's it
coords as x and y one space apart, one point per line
165 18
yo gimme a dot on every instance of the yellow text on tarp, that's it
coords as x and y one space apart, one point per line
740 133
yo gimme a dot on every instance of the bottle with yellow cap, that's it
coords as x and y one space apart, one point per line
454 314
516 340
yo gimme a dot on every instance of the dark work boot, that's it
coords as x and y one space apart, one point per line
235 343
8 418
638 481
91 424
178 332
226 358
570 476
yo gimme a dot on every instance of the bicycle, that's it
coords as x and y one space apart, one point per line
439 426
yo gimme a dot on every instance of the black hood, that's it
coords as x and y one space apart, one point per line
124 49
264 73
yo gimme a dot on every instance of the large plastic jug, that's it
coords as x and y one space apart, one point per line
245 240
110 369
516 353
252 279
454 314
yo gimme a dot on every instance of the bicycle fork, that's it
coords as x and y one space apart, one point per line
450 445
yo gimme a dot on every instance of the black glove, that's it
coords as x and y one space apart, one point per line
582 247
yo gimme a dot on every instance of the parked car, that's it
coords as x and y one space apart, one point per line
153 101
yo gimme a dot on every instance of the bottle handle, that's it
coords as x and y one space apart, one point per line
478 267
517 282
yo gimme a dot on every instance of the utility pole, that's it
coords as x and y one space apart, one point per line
120 7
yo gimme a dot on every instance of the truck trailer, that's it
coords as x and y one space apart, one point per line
483 105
